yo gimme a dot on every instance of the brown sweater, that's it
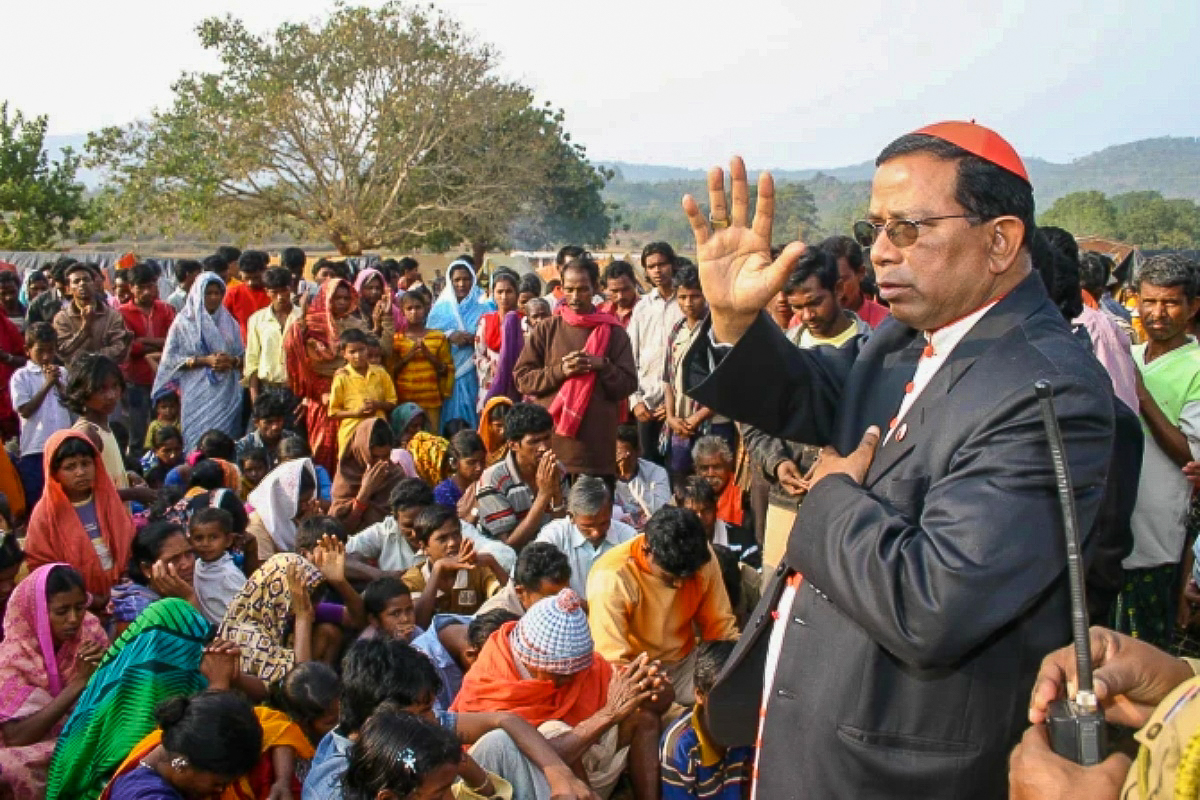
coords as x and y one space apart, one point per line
105 333
539 373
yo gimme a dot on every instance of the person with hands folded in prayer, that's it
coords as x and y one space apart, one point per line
454 578
929 586
1137 686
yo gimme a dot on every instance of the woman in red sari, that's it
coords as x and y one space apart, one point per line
310 346
12 358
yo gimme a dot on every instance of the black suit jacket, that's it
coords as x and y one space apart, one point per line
932 592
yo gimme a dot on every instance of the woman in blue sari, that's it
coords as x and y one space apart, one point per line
203 357
456 313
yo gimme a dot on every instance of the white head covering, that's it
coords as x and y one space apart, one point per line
276 500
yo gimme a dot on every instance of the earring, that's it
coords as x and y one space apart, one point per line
179 763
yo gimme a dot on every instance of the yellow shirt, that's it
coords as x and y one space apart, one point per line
264 346
631 611
350 390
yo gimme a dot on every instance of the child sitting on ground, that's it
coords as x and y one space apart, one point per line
310 694
466 458
361 390
253 464
694 765
293 447
166 413
164 455
390 546
454 578
217 578
390 611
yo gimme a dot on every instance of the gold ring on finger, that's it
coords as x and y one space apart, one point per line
718 222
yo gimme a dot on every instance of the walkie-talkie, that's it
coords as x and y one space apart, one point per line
1075 724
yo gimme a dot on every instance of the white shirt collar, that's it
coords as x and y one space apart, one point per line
946 338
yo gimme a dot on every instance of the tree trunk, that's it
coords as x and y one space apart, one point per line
479 253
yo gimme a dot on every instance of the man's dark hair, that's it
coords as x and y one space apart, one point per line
380 591
586 264
8 276
377 670
531 284
541 561
687 278
984 190
675 538
843 247
271 405
1094 272
430 519
524 419
619 269
1062 241
216 443
1168 271
697 491
87 376
408 264
185 267
566 255
353 336
277 278
1060 274
410 493
293 259
230 253
817 262
553 284
710 658
484 625
311 529
216 264
629 435
207 474
661 249
40 332
142 274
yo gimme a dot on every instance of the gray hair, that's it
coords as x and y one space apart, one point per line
708 446
589 495
1168 270
537 303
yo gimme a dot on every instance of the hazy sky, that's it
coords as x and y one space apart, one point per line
803 83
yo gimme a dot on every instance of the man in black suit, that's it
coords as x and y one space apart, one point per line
930 543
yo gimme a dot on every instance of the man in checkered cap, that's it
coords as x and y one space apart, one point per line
601 718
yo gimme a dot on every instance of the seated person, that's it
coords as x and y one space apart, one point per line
51 647
270 414
292 448
694 766
714 463
310 695
696 494
452 644
743 584
390 546
520 494
253 464
465 458
656 593
642 486
390 611
365 477
284 497
542 571
545 669
162 564
452 578
589 530
216 578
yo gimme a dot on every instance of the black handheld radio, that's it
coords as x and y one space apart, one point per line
1075 724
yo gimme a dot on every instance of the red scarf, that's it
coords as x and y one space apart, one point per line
571 402
492 333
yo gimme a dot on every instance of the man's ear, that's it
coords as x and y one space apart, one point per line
1004 244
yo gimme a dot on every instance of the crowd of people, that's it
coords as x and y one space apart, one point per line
298 532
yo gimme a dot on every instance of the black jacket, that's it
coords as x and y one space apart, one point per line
932 592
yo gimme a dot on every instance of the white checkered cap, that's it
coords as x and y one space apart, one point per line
554 635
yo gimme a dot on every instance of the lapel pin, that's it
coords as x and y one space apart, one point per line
902 431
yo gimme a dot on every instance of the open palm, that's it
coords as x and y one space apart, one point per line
736 271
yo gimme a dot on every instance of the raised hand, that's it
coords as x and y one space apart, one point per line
302 606
165 580
736 271
330 558
629 687
87 659
222 664
549 479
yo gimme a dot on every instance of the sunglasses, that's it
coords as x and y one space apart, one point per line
900 232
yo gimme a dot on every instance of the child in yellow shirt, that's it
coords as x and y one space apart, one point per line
361 390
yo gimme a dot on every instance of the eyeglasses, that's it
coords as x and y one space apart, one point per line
900 232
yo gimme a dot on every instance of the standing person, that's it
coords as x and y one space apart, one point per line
1168 390
904 682
621 288
203 355
266 369
378 309
149 320
490 335
186 271
51 647
580 367
37 391
410 274
360 391
456 313
652 319
424 369
10 299
848 255
311 348
87 324
248 295
293 259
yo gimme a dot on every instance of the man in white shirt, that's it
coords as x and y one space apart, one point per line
643 487
588 532
653 318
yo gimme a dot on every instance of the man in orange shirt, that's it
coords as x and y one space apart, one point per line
250 295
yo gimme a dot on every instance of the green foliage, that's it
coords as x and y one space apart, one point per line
40 203
381 127
1142 218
